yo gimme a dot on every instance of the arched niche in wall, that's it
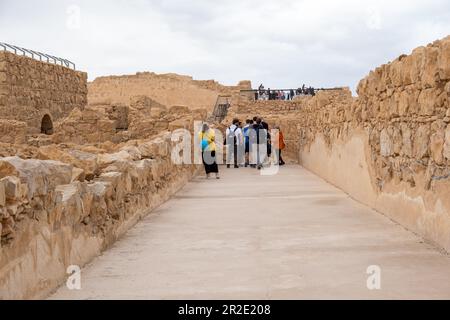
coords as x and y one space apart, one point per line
47 125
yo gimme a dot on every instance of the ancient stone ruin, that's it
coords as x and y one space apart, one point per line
81 163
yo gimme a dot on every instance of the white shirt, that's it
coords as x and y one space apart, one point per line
238 133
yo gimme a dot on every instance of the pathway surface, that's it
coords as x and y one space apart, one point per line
246 236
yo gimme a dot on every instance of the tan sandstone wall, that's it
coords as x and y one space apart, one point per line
30 89
166 89
51 217
142 119
390 148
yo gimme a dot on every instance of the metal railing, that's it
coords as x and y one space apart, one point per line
37 55
272 94
295 90
221 108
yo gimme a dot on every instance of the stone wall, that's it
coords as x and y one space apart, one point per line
54 214
30 89
12 131
166 89
388 148
117 123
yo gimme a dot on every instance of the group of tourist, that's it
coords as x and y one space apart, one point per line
263 94
249 145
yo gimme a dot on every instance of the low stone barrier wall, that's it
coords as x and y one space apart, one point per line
56 214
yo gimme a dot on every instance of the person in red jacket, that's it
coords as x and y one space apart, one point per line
279 145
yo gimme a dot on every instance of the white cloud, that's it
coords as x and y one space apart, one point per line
281 43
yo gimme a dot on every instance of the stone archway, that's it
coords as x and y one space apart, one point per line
47 125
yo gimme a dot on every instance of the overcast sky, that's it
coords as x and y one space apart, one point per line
282 43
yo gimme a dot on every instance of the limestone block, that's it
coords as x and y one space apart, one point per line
162 147
11 188
427 101
395 73
7 169
386 143
406 78
99 189
107 159
179 110
2 194
68 197
14 209
406 141
41 176
119 114
12 131
397 140
421 142
408 103
161 125
114 178
83 160
144 171
199 114
418 63
179 124
7 226
444 60
148 150
430 73
157 113
134 152
437 147
3 77
447 143
78 175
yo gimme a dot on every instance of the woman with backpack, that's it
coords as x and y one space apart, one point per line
207 137
234 141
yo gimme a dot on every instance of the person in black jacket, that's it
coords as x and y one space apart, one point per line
265 126
257 137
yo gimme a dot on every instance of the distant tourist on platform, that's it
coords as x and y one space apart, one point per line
261 88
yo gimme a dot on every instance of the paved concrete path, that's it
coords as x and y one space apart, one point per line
288 236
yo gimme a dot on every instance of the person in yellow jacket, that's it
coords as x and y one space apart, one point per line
208 143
